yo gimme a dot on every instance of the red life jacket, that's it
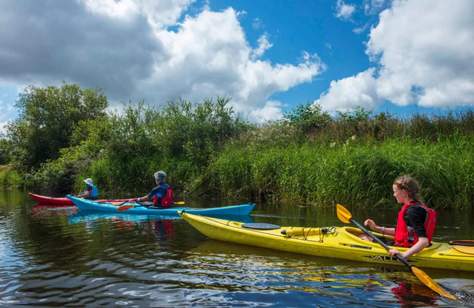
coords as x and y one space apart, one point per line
166 201
401 230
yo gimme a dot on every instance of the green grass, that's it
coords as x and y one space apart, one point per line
353 172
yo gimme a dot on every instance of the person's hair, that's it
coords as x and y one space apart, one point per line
410 185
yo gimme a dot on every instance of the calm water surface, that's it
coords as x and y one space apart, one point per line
56 257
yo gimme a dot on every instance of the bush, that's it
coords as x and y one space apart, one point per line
47 119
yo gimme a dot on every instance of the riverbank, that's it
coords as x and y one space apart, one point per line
309 157
355 172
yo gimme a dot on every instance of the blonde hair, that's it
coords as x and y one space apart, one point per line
410 185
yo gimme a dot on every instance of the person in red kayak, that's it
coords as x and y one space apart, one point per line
161 196
416 222
91 192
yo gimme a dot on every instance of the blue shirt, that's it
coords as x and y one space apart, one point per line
159 191
93 191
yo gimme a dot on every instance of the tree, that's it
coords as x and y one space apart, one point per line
5 151
309 118
47 119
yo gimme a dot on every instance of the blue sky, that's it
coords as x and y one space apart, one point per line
402 57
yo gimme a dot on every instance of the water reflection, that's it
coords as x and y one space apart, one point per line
60 258
84 216
45 210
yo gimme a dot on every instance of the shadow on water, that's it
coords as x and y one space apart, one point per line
58 257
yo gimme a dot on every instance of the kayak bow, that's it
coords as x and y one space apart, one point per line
63 201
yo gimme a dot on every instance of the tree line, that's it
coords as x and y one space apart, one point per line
64 134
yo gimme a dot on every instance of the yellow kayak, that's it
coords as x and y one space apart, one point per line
330 242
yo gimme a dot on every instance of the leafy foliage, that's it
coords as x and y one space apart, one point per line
47 118
64 135
309 119
122 151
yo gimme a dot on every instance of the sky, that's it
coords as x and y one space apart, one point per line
268 56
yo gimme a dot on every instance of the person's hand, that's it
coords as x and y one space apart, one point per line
394 251
370 223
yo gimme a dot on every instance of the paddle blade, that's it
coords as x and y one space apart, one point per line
179 203
343 214
124 208
430 283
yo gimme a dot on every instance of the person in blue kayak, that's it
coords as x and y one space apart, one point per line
91 192
415 223
161 196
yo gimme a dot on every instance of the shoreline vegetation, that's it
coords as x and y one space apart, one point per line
64 134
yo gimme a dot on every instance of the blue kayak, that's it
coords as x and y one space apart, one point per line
89 205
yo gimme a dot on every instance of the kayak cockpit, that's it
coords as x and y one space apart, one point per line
354 234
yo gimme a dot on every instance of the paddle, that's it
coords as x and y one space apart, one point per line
126 207
122 207
346 217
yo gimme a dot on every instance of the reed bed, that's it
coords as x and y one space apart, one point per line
353 172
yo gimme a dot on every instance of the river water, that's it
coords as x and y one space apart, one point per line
57 257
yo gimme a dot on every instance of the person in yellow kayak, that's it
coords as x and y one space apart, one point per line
91 192
416 222
161 196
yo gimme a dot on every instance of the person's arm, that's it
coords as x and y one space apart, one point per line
148 196
380 229
416 217
86 193
419 246
144 198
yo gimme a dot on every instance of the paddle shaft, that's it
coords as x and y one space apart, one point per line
131 200
401 259
346 217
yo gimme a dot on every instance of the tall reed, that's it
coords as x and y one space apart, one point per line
352 172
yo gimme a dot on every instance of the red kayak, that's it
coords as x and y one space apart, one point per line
45 200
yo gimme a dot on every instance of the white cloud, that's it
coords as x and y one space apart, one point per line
111 8
344 94
271 111
372 7
343 10
362 28
157 13
8 97
425 55
129 49
64 41
263 45
257 24
205 61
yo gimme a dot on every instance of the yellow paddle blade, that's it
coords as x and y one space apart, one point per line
430 283
179 203
343 214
